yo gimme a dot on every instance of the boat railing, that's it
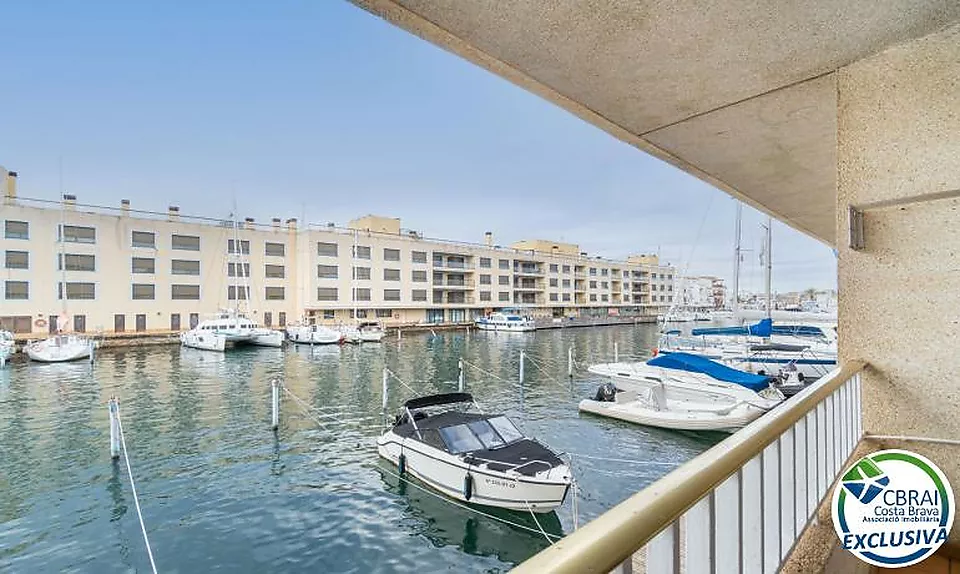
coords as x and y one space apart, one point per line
514 467
740 506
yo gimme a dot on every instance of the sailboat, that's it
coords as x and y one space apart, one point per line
61 347
7 346
360 331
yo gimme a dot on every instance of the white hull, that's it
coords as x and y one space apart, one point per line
674 416
204 340
813 363
371 336
60 349
313 335
266 338
447 474
506 328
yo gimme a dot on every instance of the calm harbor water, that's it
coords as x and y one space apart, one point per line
219 490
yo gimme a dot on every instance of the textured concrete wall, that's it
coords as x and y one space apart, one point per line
898 141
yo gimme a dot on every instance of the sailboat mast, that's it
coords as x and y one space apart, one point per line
353 283
768 263
736 262
63 257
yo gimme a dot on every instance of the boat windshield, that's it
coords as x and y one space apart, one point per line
505 429
459 438
486 434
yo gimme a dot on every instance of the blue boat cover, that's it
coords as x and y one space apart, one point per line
762 329
695 364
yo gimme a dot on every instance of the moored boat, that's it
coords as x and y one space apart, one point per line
504 321
313 335
474 457
60 349
203 340
7 346
371 332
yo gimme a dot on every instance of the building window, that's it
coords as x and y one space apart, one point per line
240 292
361 252
391 274
554 268
626 274
593 284
186 267
504 263
175 322
185 242
669 277
119 323
604 297
626 298
566 297
75 262
78 291
485 296
418 295
670 299
233 270
554 282
327 249
142 265
274 249
282 319
669 287
361 273
80 323
143 291
653 275
418 256
185 292
19 290
566 283
329 314
267 319
435 315
383 313
553 297
146 239
593 297
274 271
244 246
18 260
604 285
566 269
391 294
503 280
593 271
391 254
274 294
194 320
419 276
326 293
327 271
485 263
661 287
485 280
141 322
78 234
503 296
16 229
604 272
361 294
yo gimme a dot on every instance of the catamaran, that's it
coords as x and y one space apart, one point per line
681 391
467 455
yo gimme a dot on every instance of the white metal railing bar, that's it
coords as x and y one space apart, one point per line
740 506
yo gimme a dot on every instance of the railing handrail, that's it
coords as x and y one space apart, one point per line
606 542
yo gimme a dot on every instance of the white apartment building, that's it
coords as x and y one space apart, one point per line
702 292
128 270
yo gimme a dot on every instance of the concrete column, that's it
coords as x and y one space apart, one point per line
898 153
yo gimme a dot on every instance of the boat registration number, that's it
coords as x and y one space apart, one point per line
498 482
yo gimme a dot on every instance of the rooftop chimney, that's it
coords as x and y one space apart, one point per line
173 213
248 222
69 201
125 206
11 185
276 222
292 224
488 238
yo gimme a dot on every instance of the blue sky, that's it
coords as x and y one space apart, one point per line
317 108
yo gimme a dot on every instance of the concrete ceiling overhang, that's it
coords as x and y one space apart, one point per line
739 93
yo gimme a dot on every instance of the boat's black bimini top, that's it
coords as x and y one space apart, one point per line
478 438
436 400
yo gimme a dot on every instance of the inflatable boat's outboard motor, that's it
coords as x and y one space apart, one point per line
607 393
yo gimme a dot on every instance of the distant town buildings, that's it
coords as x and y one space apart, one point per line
128 270
702 293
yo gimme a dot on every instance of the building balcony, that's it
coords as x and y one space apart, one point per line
740 506
454 284
527 271
453 265
528 287
453 298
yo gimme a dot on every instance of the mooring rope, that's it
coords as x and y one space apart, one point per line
467 508
537 522
401 381
545 372
488 373
305 407
133 487
624 460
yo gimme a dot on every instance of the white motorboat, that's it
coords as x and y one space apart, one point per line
371 332
509 322
7 347
349 333
263 337
205 340
680 391
313 335
702 316
60 349
474 457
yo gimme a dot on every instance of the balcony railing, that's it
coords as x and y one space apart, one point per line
527 287
454 284
437 264
527 271
740 506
